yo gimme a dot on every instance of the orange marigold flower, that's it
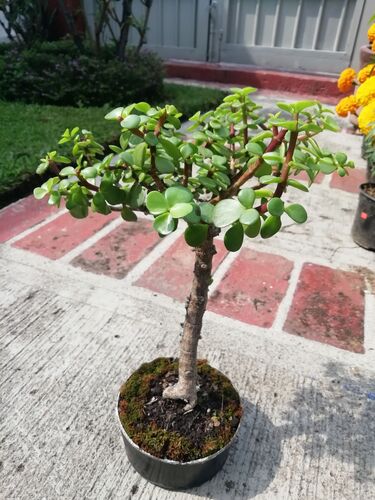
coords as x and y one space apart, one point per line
371 33
346 80
373 46
346 105
366 118
366 72
366 92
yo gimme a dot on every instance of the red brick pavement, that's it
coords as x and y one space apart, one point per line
328 306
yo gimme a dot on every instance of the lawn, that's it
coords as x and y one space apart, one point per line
29 131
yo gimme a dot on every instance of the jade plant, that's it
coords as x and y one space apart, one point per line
229 174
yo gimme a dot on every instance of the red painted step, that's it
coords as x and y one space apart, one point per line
328 306
252 289
117 252
171 274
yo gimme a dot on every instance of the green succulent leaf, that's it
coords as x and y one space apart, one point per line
250 217
128 214
227 212
246 196
276 207
272 158
113 194
115 114
131 121
233 238
180 210
253 230
79 211
98 204
89 172
164 165
296 212
207 211
269 179
39 193
270 227
170 148
137 196
196 234
178 194
254 148
326 167
67 171
139 154
156 203
297 185
165 224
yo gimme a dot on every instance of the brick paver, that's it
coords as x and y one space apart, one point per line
171 274
117 252
328 306
253 288
23 215
58 237
351 182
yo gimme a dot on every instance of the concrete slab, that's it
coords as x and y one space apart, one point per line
308 430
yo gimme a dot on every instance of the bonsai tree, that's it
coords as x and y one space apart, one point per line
230 175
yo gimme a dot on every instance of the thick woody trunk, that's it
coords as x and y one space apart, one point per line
186 387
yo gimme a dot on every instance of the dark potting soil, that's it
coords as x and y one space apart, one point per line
370 190
163 427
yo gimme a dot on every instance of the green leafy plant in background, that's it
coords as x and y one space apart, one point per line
230 176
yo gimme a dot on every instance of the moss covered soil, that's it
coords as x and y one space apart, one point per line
163 428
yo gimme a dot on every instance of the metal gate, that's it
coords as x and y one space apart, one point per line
303 35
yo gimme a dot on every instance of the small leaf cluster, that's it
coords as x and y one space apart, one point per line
230 172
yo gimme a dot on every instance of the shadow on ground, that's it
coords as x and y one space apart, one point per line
327 434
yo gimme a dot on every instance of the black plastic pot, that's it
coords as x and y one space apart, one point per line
173 475
363 230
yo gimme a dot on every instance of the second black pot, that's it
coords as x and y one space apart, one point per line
363 229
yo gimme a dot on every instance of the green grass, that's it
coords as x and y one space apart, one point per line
29 131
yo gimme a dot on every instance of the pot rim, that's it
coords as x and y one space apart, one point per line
362 189
175 462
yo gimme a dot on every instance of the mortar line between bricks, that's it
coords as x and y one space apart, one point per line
369 322
35 227
157 252
221 271
91 240
39 265
287 300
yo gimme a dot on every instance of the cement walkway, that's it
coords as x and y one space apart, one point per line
70 336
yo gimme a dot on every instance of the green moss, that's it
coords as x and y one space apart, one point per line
171 444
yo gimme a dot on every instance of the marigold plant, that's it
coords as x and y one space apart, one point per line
366 72
366 118
371 33
346 105
346 80
366 92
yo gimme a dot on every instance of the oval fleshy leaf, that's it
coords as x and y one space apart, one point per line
156 203
296 212
177 194
165 224
276 207
196 234
180 210
233 238
246 197
226 212
270 227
